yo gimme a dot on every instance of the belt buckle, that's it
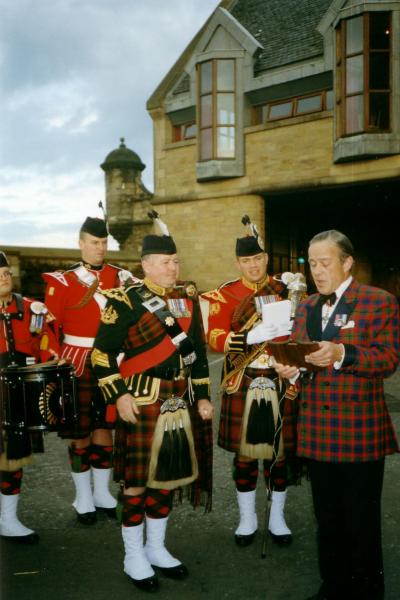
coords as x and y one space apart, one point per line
262 383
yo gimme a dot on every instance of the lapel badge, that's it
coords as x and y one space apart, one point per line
169 321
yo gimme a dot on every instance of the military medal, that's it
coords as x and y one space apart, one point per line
38 310
340 320
260 300
178 307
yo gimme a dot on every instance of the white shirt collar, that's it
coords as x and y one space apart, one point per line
342 288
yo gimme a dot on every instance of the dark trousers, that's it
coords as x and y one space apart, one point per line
347 506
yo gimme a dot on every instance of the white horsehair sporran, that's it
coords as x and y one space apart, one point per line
260 421
173 460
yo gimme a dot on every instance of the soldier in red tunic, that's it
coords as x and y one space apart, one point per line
160 391
25 338
255 407
75 297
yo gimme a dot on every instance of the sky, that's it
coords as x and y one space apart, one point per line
75 78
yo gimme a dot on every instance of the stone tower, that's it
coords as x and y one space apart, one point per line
127 199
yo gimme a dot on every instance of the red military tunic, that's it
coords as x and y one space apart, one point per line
75 299
36 344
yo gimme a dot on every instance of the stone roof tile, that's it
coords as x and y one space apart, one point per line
286 29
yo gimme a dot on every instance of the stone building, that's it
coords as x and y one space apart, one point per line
288 110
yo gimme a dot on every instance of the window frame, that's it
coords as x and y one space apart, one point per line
258 119
341 76
215 126
179 132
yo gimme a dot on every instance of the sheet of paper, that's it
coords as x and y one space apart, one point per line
277 314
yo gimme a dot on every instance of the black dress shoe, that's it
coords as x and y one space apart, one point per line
31 538
150 584
110 512
281 540
88 518
244 540
178 572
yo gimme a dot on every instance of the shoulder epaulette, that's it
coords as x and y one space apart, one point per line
226 283
117 294
114 267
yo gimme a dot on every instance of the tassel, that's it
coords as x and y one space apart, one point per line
185 461
261 424
174 460
164 456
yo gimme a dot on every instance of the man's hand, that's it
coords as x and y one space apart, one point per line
206 409
285 371
327 354
127 409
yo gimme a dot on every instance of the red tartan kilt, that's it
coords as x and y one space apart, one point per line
91 406
133 442
232 409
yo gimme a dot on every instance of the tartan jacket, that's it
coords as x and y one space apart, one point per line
343 416
128 327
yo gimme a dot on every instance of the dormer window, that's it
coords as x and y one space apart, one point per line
216 107
363 63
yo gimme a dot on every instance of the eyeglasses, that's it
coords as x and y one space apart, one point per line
5 275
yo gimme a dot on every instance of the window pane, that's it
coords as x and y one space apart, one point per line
379 31
379 75
206 77
354 35
354 74
226 75
226 142
206 111
190 131
354 114
279 111
225 109
379 111
330 99
310 104
206 144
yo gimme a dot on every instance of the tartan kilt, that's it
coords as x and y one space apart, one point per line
91 406
133 444
232 410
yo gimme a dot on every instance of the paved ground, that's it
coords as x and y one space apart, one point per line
75 563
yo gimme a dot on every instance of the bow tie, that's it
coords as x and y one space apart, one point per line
329 299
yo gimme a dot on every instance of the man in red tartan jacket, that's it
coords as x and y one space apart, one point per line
252 395
344 429
25 338
160 391
75 297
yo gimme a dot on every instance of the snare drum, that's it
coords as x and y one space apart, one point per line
38 397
